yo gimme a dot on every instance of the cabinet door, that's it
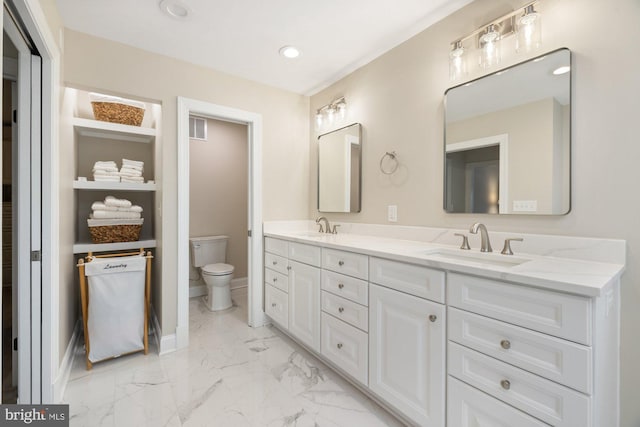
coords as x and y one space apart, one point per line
304 304
406 354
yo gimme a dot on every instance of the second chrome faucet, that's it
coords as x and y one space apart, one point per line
485 244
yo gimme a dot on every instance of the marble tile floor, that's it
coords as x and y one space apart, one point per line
231 375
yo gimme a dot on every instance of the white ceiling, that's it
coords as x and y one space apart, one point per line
242 37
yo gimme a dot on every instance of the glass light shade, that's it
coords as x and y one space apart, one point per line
529 31
319 120
489 47
342 110
457 62
331 114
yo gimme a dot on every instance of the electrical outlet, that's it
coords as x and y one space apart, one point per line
392 213
525 205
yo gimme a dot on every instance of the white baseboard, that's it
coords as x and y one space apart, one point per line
198 291
165 344
64 371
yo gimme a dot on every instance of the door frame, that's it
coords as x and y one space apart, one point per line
187 106
36 24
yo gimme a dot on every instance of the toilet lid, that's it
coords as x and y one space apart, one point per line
217 269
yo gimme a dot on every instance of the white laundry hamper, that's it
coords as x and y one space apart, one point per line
115 303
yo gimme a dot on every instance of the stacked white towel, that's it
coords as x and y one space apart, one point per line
113 208
131 171
106 171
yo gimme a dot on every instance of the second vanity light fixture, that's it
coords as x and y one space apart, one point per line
486 41
328 114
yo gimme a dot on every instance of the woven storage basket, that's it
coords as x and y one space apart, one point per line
117 110
114 231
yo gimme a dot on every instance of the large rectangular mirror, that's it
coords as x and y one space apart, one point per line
508 140
339 164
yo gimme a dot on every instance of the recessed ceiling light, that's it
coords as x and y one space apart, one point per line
176 9
561 70
289 52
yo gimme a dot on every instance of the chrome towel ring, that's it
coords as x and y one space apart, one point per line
394 158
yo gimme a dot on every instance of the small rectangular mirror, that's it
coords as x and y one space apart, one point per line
339 165
508 140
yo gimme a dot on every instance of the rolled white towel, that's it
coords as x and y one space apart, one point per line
132 163
105 178
135 208
134 179
114 215
119 203
100 206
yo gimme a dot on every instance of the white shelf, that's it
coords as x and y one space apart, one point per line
83 248
117 131
113 186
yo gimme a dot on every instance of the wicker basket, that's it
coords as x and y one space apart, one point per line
110 231
117 110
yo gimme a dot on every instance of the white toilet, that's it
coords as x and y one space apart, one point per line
209 254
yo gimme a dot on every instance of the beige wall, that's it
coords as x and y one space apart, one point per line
218 189
399 100
91 62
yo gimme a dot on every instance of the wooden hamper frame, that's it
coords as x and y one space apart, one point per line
84 295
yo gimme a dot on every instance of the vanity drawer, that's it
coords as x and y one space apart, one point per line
469 407
550 402
276 280
276 246
305 254
276 305
554 313
413 279
350 312
349 263
276 262
345 346
348 287
553 358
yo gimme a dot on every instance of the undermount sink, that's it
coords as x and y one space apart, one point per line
311 234
483 258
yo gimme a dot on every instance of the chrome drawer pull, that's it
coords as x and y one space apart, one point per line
340 263
506 344
433 317
339 345
273 304
288 267
341 309
275 279
275 262
340 286
506 384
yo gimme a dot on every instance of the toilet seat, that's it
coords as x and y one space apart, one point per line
219 269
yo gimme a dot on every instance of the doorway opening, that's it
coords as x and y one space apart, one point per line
218 204
253 123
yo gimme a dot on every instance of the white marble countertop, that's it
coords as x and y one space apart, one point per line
582 277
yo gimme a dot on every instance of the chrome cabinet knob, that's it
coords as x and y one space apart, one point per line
506 344
275 279
433 317
341 309
340 286
340 263
288 267
273 304
275 262
339 345
506 384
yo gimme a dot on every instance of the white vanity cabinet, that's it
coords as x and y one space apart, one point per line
276 287
407 343
549 355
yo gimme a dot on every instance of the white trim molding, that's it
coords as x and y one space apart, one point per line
164 344
200 290
73 348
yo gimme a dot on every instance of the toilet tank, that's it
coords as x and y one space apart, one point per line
208 250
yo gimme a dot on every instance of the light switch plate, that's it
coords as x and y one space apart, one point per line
392 213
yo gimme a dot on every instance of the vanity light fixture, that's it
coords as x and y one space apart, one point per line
524 22
336 109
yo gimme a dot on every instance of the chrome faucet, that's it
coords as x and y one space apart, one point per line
485 245
327 227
